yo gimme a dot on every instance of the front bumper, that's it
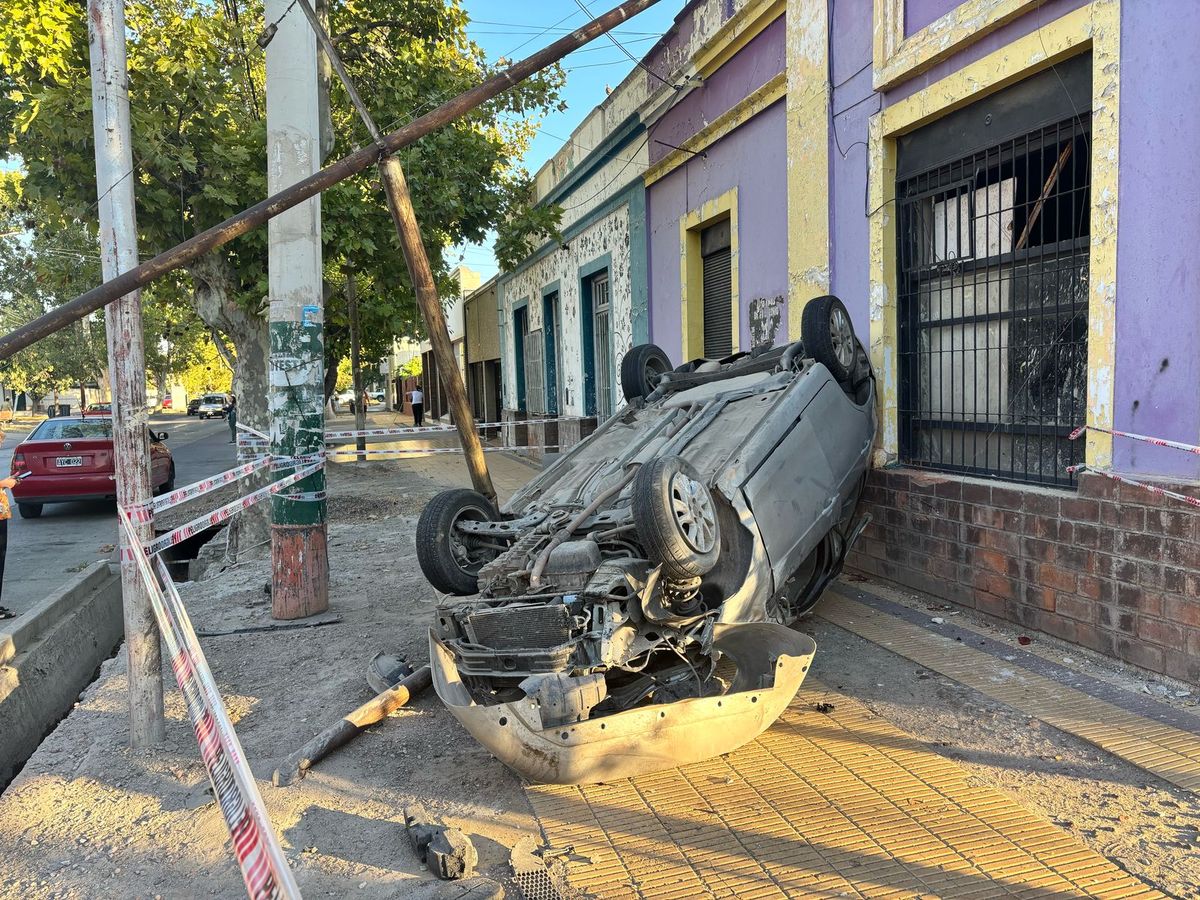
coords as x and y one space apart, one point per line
771 663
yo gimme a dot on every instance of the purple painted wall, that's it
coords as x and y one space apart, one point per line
853 102
919 13
756 64
1026 24
753 159
1158 235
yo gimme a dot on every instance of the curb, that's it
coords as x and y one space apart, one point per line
49 655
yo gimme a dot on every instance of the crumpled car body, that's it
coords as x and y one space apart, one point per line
633 600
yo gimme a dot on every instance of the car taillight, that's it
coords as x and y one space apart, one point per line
18 462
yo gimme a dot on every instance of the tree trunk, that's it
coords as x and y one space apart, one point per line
216 302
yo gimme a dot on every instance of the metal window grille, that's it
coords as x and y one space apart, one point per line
535 391
993 302
602 345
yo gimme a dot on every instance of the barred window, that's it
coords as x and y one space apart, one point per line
993 289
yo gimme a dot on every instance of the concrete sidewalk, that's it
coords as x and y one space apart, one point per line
882 779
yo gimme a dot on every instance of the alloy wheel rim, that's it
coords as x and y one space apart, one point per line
694 514
843 337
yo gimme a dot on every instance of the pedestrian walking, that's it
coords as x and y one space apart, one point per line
418 406
5 515
231 418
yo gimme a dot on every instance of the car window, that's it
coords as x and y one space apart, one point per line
72 429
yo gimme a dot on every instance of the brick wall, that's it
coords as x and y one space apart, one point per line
1110 567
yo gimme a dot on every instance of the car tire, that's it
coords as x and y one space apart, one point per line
29 510
640 369
445 562
828 336
676 518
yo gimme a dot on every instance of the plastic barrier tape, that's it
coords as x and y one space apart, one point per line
183 532
259 855
1161 492
427 429
1157 442
420 452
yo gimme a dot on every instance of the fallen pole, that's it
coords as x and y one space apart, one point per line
247 220
350 726
408 230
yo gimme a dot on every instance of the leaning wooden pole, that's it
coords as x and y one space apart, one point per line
391 173
249 219
126 357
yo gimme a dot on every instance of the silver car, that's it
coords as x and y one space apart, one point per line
628 609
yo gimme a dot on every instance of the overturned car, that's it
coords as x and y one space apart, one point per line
627 610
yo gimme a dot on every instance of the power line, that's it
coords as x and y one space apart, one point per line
621 47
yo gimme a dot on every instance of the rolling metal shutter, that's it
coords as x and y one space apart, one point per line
718 290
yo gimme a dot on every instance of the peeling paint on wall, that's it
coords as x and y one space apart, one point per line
609 235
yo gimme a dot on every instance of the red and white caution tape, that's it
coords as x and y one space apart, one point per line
203 486
433 429
259 855
1157 442
183 532
416 451
1161 492
242 426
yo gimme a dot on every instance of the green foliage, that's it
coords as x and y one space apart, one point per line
196 91
525 227
412 368
345 376
207 372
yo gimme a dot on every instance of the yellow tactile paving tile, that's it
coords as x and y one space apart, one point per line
837 805
1170 753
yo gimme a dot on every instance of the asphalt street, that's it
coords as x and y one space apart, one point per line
45 552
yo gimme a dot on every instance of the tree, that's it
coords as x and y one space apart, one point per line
195 88
196 85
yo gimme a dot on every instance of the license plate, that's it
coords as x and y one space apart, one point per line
65 462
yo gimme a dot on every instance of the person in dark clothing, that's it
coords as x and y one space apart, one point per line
231 418
418 406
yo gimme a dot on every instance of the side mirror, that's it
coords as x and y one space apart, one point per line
161 436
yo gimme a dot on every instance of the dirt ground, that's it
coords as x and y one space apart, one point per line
87 817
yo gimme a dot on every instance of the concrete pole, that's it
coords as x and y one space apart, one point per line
409 233
360 408
299 548
126 356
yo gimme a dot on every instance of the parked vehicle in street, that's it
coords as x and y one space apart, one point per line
71 458
632 600
193 406
98 409
212 406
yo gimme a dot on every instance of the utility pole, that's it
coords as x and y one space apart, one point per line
299 545
360 408
126 356
409 232
301 191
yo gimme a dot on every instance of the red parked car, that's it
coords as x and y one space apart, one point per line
71 458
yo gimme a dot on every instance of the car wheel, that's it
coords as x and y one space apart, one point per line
640 370
828 336
29 510
676 518
448 561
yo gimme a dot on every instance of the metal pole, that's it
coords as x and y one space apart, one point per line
360 408
249 219
126 355
296 398
408 230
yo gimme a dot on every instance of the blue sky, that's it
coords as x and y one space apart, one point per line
505 28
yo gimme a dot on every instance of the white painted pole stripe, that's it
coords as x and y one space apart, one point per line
242 426
256 846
